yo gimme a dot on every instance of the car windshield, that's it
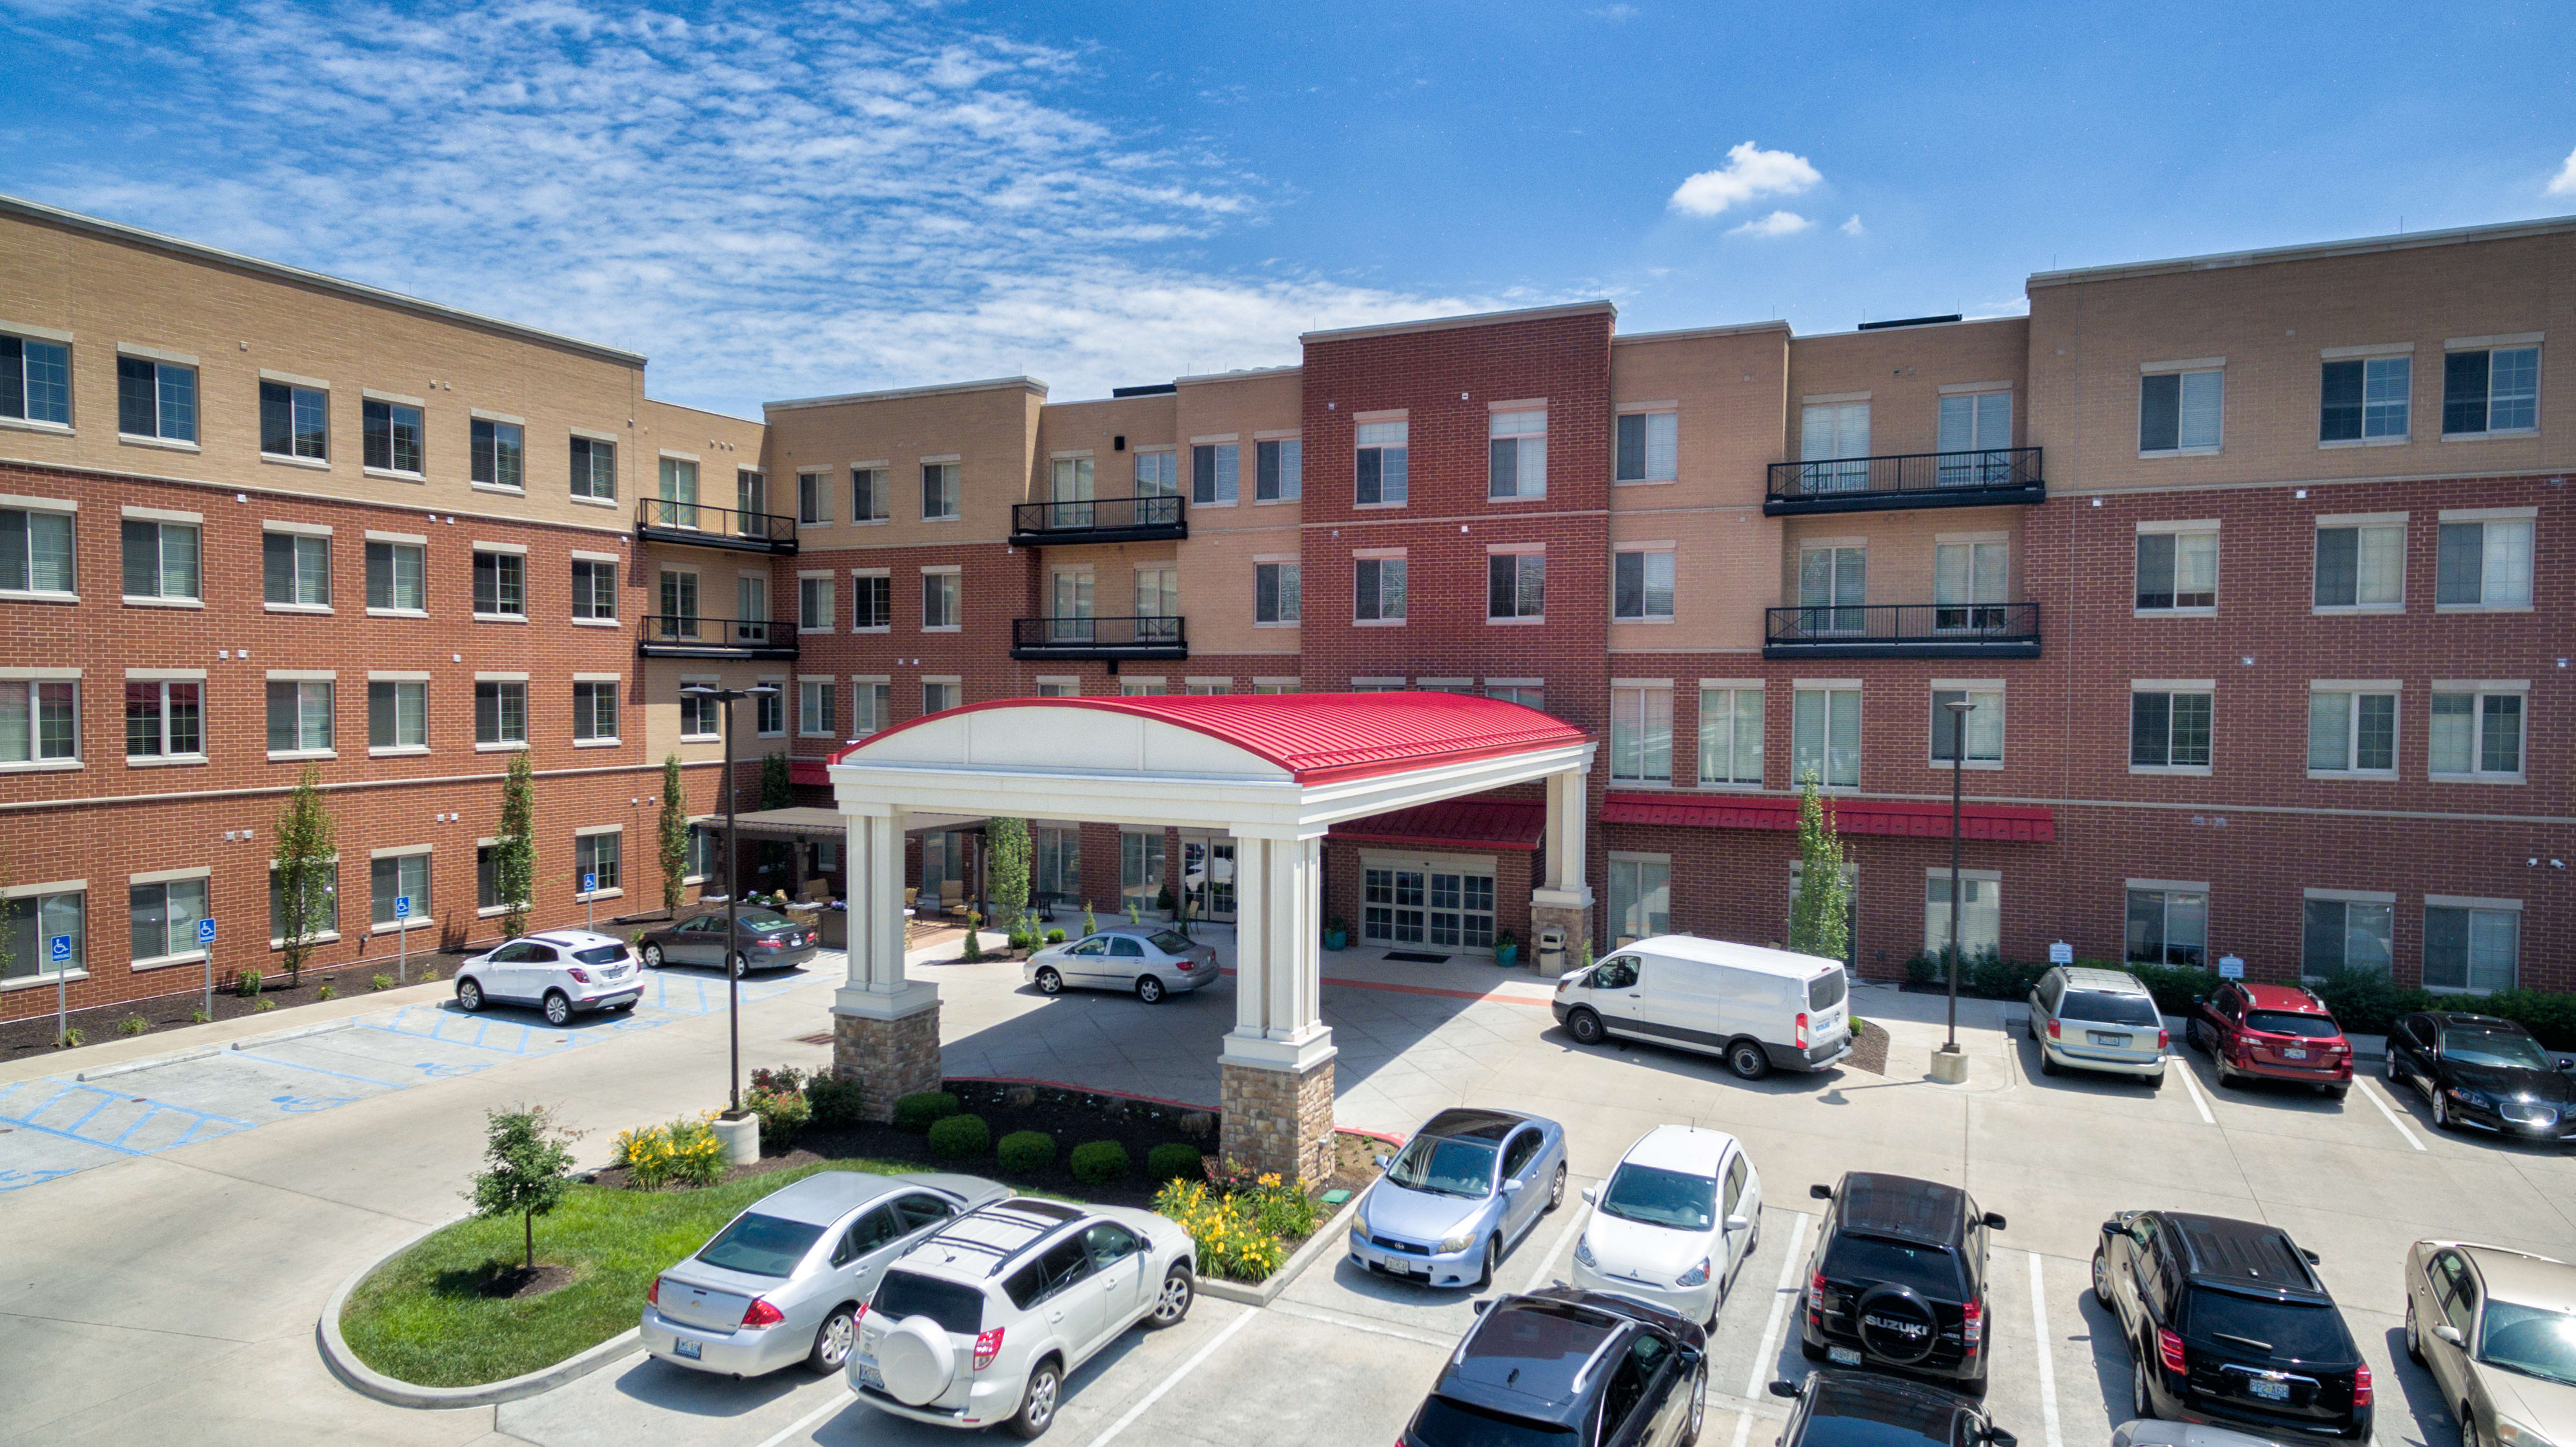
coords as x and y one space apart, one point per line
2287 1022
1444 1167
2291 1330
1659 1197
2493 1047
2101 1007
1444 1423
2530 1339
763 922
600 954
1932 1270
957 1307
758 1245
1171 942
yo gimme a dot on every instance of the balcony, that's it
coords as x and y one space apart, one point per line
686 635
1162 518
1917 479
1113 639
1903 630
698 525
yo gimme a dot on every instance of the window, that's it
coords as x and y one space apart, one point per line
2477 735
1158 593
1379 467
2180 411
871 500
594 711
872 706
1981 914
813 498
36 551
399 876
1641 897
1836 576
1140 866
2361 567
1059 688
2168 730
751 609
1641 734
397 574
814 708
2168 925
1516 585
1528 693
678 505
1641 585
1072 482
704 847
701 717
1142 688
679 615
2472 949
294 421
1730 735
1275 592
156 399
1278 685
1208 686
1984 725
2365 400
164 918
1978 424
769 710
161 560
487 878
299 716
751 502
1057 853
939 600
871 602
2177 571
2344 933
2496 390
31 920
1158 473
322 917
39 721
1278 470
500 585
35 381
498 456
596 857
1214 473
594 469
938 490
296 570
594 589
2352 732
1824 737
500 712
1649 446
1833 442
938 697
2484 564
397 714
164 719
1970 582
814 605
1516 449
392 437
1379 586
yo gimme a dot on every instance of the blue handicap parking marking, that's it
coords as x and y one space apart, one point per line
52 1119
301 1104
436 1071
498 1034
14 1180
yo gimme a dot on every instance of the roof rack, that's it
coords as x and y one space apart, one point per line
1004 1256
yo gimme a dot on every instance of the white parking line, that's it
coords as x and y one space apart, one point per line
840 1398
2371 1091
1348 1322
1183 1370
1539 1276
2047 1366
1756 1382
2179 1065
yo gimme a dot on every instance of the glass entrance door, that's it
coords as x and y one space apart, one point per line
1207 874
1447 907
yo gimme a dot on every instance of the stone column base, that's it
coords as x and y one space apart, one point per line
889 1059
1574 919
1278 1119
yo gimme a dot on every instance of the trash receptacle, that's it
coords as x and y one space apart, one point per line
1551 953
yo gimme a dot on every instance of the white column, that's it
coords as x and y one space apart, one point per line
1253 906
876 986
1278 1022
1563 871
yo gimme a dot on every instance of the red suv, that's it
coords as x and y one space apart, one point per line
2272 1032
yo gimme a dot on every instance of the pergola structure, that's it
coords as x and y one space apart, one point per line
1276 771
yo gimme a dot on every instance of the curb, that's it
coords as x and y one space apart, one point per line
1318 1245
155 1062
345 1365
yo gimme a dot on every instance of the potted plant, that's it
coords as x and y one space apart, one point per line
1507 950
1337 935
1163 902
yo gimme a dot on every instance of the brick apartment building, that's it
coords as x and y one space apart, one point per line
2255 567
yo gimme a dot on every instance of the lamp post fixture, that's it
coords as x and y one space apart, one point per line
1948 1063
733 881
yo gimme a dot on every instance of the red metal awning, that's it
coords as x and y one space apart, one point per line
1453 824
817 772
1916 818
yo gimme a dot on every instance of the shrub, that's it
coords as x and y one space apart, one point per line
1055 937
1282 1208
960 1137
247 986
1231 1242
974 946
262 1007
919 1112
326 993
785 1077
835 1103
783 1113
1174 1161
70 1038
1025 1152
132 1025
1097 1163
687 1152
429 974
381 982
198 1017
1090 926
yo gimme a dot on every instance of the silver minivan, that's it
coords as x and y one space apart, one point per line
1759 1008
2093 1019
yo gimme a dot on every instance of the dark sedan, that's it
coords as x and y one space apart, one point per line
1864 1409
763 939
1562 1368
2484 1073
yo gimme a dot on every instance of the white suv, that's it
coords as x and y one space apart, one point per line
2092 1019
982 1323
559 972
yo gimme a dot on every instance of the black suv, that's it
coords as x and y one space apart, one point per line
1566 1368
2227 1322
1898 1281
2486 1072
1865 1409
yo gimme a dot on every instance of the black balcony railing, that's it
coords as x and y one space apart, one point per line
699 524
690 635
1154 637
1100 520
1903 630
1915 479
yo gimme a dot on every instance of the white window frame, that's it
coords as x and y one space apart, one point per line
299 390
2366 527
1635 704
2525 341
809 687
591 834
420 918
706 710
596 561
776 701
1287 590
1829 689
1634 862
1730 691
1645 553
395 544
162 522
2371 359
2482 691
394 404
871 704
1520 553
501 684
20 405
1937 876
1649 473
1511 422
1283 456
2347 898
2473 906
2486 518
953 695
616 685
878 498
162 363
2352 691
952 488
163 878
2171 687
164 678
45 973
806 617
1369 433
67 509
951 592
1225 471
860 579
301 533
1376 597
2184 371
331 711
813 496
2178 531
398 682
498 551
1978 691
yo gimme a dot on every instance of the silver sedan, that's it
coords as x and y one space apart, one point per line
783 1281
1149 960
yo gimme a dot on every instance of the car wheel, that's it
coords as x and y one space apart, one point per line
2388 1062
469 995
2155 1081
652 957
1585 1027
1038 1401
1049 981
2101 1278
1149 989
2469 1436
2414 1343
741 965
1974 1389
2192 1037
2142 1404
1699 1406
1556 1188
2335 1093
1747 1060
2047 1063
1172 1303
1810 1350
2441 1113
2218 1068
1493 1258
832 1342
558 1008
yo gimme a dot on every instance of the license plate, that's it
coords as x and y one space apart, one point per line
1842 1356
2098 1038
2294 1055
870 1377
687 1348
2269 1391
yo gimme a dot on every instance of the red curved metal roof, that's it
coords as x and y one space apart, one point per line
1322 737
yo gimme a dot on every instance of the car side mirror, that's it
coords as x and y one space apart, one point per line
1512 1187
1737 1223
1784 1389
1994 1221
1481 1306
2200 999
2565 1063
2001 1438
1591 1194
1821 1192
1382 1161
2451 1334
2115 1227
2313 1258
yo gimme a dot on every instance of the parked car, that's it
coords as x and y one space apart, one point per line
981 1323
763 939
1679 1214
783 1281
561 972
1463 1191
2098 1020
1149 960
2271 1032
2228 1323
1760 1009
1865 1409
2497 1329
1568 1369
2484 1072
1898 1280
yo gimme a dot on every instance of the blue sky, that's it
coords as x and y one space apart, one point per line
796 198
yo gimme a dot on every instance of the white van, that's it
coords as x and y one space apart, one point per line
1761 1009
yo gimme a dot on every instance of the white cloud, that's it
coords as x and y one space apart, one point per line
1749 174
1851 227
1778 223
2564 183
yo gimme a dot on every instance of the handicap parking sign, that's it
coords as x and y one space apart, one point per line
589 882
402 906
59 949
205 931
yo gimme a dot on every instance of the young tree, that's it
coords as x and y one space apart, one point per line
674 838
305 873
527 1168
777 784
514 858
1006 864
1820 916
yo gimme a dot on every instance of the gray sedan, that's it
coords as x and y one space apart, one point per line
764 939
1149 960
783 1281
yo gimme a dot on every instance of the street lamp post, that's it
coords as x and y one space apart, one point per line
733 883
1949 1063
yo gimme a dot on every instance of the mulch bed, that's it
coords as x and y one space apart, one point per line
1869 1049
519 1283
35 1035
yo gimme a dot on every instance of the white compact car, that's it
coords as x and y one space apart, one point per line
1674 1221
559 972
1760 1009
981 1324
